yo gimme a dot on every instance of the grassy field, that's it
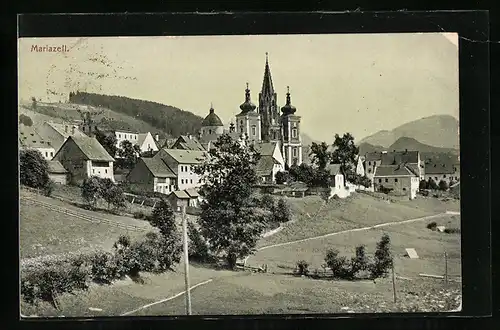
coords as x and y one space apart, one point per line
278 291
44 231
356 211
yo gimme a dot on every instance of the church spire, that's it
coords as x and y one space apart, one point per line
267 84
247 105
288 109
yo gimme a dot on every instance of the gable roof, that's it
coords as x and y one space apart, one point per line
29 137
161 143
189 143
192 193
440 168
181 194
265 165
141 137
399 157
90 147
265 148
157 167
393 170
186 156
66 130
56 167
334 169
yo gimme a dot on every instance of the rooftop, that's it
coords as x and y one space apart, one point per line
56 167
28 137
393 170
157 167
186 156
91 148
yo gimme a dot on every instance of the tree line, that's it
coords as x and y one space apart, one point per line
171 120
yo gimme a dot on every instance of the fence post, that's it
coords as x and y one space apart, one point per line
186 260
393 282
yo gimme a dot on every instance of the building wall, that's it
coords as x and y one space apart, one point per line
101 169
59 178
74 161
176 203
126 136
148 144
250 125
292 141
446 177
47 153
408 184
164 185
209 130
186 178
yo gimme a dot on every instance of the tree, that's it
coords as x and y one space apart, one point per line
320 154
130 153
282 177
383 257
34 170
422 185
163 218
33 102
114 196
108 141
443 185
281 212
228 220
431 184
91 190
345 152
25 120
303 173
267 202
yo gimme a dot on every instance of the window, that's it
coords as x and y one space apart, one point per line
395 179
386 180
379 180
369 170
46 154
191 180
294 133
404 189
241 129
51 154
444 176
274 136
209 131
106 171
436 178
93 171
294 152
182 181
119 136
369 163
254 131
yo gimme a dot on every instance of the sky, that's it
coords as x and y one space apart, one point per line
357 83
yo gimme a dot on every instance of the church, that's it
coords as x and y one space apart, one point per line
262 125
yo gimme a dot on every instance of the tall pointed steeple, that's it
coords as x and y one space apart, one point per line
267 84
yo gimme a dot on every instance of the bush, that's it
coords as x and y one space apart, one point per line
91 190
267 202
198 247
49 188
338 264
281 212
302 267
432 225
103 268
383 258
360 262
139 215
431 184
33 169
422 185
443 185
452 230
282 177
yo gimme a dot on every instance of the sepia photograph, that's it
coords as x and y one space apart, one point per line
239 175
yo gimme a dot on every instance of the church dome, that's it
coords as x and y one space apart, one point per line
288 108
247 106
212 119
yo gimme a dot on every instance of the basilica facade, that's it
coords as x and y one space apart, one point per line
262 124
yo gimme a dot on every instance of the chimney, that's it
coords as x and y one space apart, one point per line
73 130
406 150
66 128
157 137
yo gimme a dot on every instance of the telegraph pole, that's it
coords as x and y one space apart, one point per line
186 260
445 270
393 282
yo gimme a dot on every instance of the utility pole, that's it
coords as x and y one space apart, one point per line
445 270
393 282
186 260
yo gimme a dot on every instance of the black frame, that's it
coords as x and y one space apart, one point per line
473 30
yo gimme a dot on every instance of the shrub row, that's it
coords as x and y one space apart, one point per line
46 279
349 269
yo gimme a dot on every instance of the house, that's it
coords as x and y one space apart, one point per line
271 161
153 174
181 163
84 157
187 142
294 189
57 133
397 178
408 158
338 185
146 142
30 140
446 171
57 173
122 135
360 167
183 198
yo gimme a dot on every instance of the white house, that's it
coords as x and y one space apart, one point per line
57 133
153 174
84 157
338 187
29 139
271 161
182 162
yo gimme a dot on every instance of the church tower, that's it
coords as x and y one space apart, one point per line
290 130
248 122
268 108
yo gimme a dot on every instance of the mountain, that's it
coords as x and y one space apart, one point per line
171 120
438 131
307 140
366 147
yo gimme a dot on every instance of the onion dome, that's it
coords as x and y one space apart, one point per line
288 108
247 106
212 119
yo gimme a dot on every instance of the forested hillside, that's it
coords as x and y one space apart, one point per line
171 120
